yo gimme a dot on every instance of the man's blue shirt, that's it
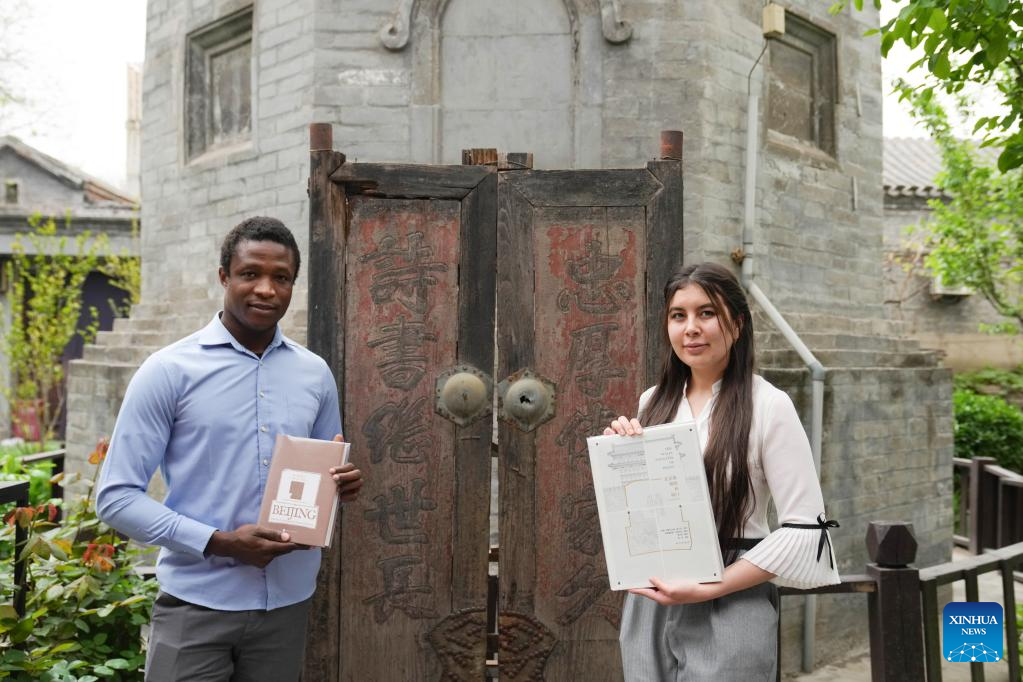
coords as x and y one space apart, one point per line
206 411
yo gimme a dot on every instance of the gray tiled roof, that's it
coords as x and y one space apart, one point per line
95 189
911 164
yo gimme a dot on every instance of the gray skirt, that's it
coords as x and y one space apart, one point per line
731 638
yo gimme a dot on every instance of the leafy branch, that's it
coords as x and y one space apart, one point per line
47 270
975 238
965 42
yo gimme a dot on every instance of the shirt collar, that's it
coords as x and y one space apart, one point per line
216 334
714 389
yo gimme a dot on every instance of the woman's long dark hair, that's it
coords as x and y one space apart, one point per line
726 457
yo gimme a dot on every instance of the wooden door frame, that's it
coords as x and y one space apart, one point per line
332 182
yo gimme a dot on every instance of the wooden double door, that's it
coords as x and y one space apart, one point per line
473 313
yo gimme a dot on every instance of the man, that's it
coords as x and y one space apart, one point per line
206 410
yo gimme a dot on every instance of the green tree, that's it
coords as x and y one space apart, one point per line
974 238
125 272
47 271
964 42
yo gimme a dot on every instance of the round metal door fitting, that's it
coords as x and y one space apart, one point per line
527 399
464 394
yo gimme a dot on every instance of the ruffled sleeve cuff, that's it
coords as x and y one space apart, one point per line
792 555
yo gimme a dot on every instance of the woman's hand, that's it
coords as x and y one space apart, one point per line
739 576
681 592
623 426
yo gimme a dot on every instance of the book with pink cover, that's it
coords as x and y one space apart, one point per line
301 496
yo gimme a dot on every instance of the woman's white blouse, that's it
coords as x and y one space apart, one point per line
781 467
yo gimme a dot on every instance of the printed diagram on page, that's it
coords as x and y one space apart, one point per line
654 506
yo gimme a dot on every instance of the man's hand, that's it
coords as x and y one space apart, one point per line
252 544
347 478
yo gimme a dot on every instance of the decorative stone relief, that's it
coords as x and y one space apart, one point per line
615 30
395 33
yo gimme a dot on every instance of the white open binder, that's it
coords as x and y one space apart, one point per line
655 512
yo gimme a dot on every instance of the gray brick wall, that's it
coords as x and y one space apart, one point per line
686 66
948 323
887 455
191 205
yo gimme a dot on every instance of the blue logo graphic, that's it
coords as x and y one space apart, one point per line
972 632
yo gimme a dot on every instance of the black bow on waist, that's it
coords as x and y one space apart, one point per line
825 538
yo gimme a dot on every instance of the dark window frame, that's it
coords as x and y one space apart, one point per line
822 47
12 188
201 47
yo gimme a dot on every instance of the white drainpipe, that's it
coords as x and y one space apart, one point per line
817 370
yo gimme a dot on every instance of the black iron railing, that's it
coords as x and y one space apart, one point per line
17 492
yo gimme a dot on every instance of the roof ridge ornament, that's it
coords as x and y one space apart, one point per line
615 29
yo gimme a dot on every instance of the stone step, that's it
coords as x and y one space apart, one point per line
156 332
157 309
145 310
115 355
832 358
180 324
823 341
134 338
804 322
791 376
93 369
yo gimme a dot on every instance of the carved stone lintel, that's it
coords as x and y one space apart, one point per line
615 30
395 34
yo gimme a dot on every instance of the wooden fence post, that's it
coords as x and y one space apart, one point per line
982 511
1010 511
896 633
326 324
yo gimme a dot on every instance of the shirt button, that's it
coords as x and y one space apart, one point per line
263 428
262 394
265 462
260 363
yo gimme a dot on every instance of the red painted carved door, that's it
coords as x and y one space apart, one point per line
438 293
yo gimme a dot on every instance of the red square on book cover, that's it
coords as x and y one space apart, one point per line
300 496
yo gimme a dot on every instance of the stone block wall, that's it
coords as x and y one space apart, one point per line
95 392
887 455
188 205
818 242
684 66
951 324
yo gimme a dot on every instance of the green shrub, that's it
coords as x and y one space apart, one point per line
987 426
86 601
1007 380
37 474
1019 629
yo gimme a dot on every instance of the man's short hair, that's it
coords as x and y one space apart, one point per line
258 229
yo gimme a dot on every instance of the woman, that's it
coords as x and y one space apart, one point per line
754 448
